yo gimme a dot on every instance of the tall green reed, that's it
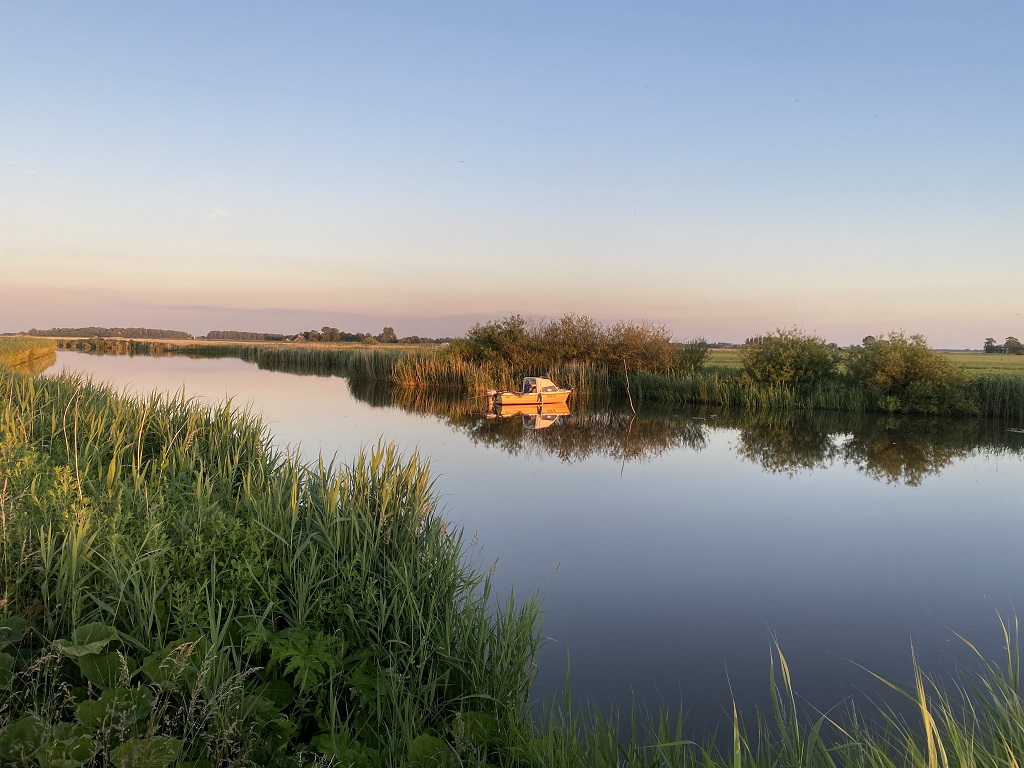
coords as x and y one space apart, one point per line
165 519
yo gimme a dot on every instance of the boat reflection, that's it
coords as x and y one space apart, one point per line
533 416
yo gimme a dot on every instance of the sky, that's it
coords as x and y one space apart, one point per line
719 168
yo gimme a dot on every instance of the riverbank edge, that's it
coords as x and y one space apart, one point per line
996 395
20 350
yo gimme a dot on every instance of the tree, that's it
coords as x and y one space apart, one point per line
574 338
906 375
693 355
991 346
388 336
788 357
640 347
1013 345
507 339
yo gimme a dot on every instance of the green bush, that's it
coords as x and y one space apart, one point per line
788 357
529 347
905 375
693 355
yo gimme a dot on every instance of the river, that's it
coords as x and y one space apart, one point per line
673 549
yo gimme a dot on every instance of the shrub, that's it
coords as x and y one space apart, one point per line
573 339
904 374
693 355
508 339
788 357
640 347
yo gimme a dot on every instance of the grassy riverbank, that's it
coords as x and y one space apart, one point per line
16 351
972 385
202 595
176 592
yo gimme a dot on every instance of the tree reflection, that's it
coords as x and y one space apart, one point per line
905 450
593 430
785 442
892 449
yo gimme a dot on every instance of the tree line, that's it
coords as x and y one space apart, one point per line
127 333
386 336
619 348
893 372
1011 346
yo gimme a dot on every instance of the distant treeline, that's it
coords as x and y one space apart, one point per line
246 336
1012 346
128 333
386 336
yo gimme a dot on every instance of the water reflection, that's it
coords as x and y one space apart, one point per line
36 365
898 450
533 416
892 449
590 430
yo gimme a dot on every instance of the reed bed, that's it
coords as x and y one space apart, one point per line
320 608
733 390
1000 395
17 351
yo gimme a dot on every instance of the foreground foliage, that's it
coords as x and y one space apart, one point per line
174 588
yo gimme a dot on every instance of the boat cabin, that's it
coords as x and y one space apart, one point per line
532 384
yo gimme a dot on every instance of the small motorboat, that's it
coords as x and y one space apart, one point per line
536 391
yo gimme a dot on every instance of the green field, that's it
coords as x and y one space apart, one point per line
970 362
726 358
981 362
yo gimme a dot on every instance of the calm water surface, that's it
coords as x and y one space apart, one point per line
671 549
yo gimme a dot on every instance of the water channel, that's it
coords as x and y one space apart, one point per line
672 549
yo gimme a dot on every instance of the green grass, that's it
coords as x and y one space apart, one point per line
980 362
728 359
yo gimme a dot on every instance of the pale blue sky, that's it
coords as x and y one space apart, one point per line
723 168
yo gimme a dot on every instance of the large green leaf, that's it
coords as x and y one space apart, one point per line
342 749
170 668
106 670
480 728
158 752
6 671
12 629
68 745
116 705
21 739
427 750
87 639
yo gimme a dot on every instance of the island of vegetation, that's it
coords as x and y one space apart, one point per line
176 592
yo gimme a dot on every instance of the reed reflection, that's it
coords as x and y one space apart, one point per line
36 365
